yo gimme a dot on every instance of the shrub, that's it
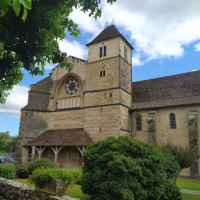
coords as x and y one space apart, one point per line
22 171
42 175
43 162
125 169
77 175
171 167
8 171
184 157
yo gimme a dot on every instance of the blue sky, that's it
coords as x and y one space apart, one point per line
165 35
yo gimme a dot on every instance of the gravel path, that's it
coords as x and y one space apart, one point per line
190 191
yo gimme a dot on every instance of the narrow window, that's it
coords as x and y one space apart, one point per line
73 59
100 73
104 72
100 52
104 49
110 94
138 123
172 121
125 53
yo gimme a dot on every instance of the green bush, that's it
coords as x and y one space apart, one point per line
8 171
43 162
41 175
77 175
125 169
184 157
172 168
22 171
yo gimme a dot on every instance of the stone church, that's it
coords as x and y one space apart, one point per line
97 99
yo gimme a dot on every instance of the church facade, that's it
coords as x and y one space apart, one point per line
97 99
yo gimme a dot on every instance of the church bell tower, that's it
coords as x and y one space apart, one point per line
107 97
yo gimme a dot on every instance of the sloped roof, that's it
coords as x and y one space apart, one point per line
108 33
62 137
181 89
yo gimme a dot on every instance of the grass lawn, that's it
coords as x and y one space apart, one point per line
24 181
76 192
190 184
191 196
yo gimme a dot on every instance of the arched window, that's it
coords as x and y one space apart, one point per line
138 123
172 118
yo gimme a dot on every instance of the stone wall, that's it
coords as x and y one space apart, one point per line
185 134
11 190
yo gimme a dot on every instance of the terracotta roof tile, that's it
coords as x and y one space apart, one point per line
108 33
62 137
181 89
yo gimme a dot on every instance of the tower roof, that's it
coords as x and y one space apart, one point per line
109 33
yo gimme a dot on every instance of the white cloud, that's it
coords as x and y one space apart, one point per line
197 47
136 61
157 28
15 102
86 23
73 48
49 66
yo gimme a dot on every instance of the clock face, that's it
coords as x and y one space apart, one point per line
71 86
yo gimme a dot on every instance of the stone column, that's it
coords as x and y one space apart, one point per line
151 128
193 141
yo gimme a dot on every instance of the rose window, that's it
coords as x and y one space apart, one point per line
71 86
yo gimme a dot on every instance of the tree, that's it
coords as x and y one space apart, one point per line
7 143
29 36
126 169
184 157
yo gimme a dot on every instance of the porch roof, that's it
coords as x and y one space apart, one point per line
62 137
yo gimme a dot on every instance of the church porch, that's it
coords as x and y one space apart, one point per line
64 147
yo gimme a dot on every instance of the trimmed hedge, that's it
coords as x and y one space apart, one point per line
43 162
8 171
41 175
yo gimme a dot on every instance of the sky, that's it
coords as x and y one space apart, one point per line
165 35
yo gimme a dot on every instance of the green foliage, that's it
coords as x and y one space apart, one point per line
43 162
122 168
77 175
172 168
29 34
184 157
7 144
8 171
22 171
6 5
41 175
171 191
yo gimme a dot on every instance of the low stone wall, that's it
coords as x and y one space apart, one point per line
12 190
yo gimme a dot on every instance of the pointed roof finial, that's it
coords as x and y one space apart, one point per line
109 33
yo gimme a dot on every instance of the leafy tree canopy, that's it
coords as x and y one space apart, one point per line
29 33
7 143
